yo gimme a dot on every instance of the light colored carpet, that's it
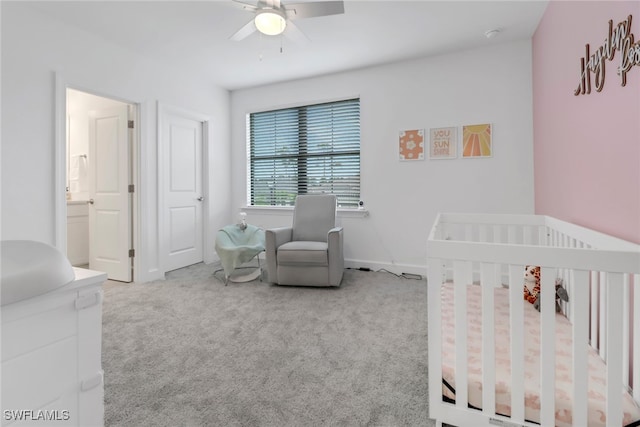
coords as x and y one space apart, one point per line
189 351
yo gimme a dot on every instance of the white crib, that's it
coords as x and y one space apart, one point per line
484 338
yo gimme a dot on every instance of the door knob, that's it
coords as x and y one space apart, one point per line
200 198
91 201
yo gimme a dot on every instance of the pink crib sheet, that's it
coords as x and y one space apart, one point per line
563 403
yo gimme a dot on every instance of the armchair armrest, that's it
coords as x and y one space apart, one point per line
274 238
278 236
334 231
336 256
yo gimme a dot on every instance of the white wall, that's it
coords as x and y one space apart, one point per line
488 85
34 48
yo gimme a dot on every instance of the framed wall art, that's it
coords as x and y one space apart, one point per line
476 141
411 144
443 143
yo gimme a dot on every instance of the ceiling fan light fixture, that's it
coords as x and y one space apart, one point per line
270 22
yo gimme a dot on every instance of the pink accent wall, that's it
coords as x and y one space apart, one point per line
587 147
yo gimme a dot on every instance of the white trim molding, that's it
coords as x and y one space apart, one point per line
288 210
60 165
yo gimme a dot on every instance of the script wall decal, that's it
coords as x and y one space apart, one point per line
620 39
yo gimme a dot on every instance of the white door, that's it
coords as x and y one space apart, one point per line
109 217
183 196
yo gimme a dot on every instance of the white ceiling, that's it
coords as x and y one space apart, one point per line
368 33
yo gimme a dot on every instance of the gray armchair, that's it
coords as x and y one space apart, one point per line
310 252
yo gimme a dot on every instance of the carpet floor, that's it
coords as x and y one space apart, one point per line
188 351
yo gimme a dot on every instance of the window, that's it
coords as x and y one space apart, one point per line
305 150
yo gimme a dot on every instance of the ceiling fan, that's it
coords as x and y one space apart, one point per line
272 17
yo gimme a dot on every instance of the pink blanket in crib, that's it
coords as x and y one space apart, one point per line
563 401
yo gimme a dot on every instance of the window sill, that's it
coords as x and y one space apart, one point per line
287 210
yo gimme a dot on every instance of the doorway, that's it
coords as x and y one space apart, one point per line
100 141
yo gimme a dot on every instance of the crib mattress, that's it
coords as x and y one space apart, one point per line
563 403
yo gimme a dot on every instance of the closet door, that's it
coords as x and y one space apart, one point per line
182 150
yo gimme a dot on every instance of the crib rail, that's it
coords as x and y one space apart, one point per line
602 276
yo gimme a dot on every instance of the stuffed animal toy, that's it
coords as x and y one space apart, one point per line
561 294
531 287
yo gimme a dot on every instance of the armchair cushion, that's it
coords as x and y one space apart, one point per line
303 253
313 216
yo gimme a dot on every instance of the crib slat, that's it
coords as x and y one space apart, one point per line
542 236
516 305
461 270
434 327
625 329
468 233
547 346
636 337
488 280
594 309
614 342
482 236
602 280
580 346
570 286
497 234
526 235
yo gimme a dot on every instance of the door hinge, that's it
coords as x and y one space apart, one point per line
131 188
132 253
130 124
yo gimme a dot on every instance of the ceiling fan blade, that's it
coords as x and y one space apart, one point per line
246 6
295 34
313 9
244 32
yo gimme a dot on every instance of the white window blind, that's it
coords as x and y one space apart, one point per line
305 150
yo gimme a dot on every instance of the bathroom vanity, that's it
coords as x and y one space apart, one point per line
78 232
51 342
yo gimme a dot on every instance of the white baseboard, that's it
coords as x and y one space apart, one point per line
149 276
371 265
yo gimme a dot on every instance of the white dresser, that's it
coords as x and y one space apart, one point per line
51 356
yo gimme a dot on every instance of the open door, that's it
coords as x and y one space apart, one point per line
109 204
